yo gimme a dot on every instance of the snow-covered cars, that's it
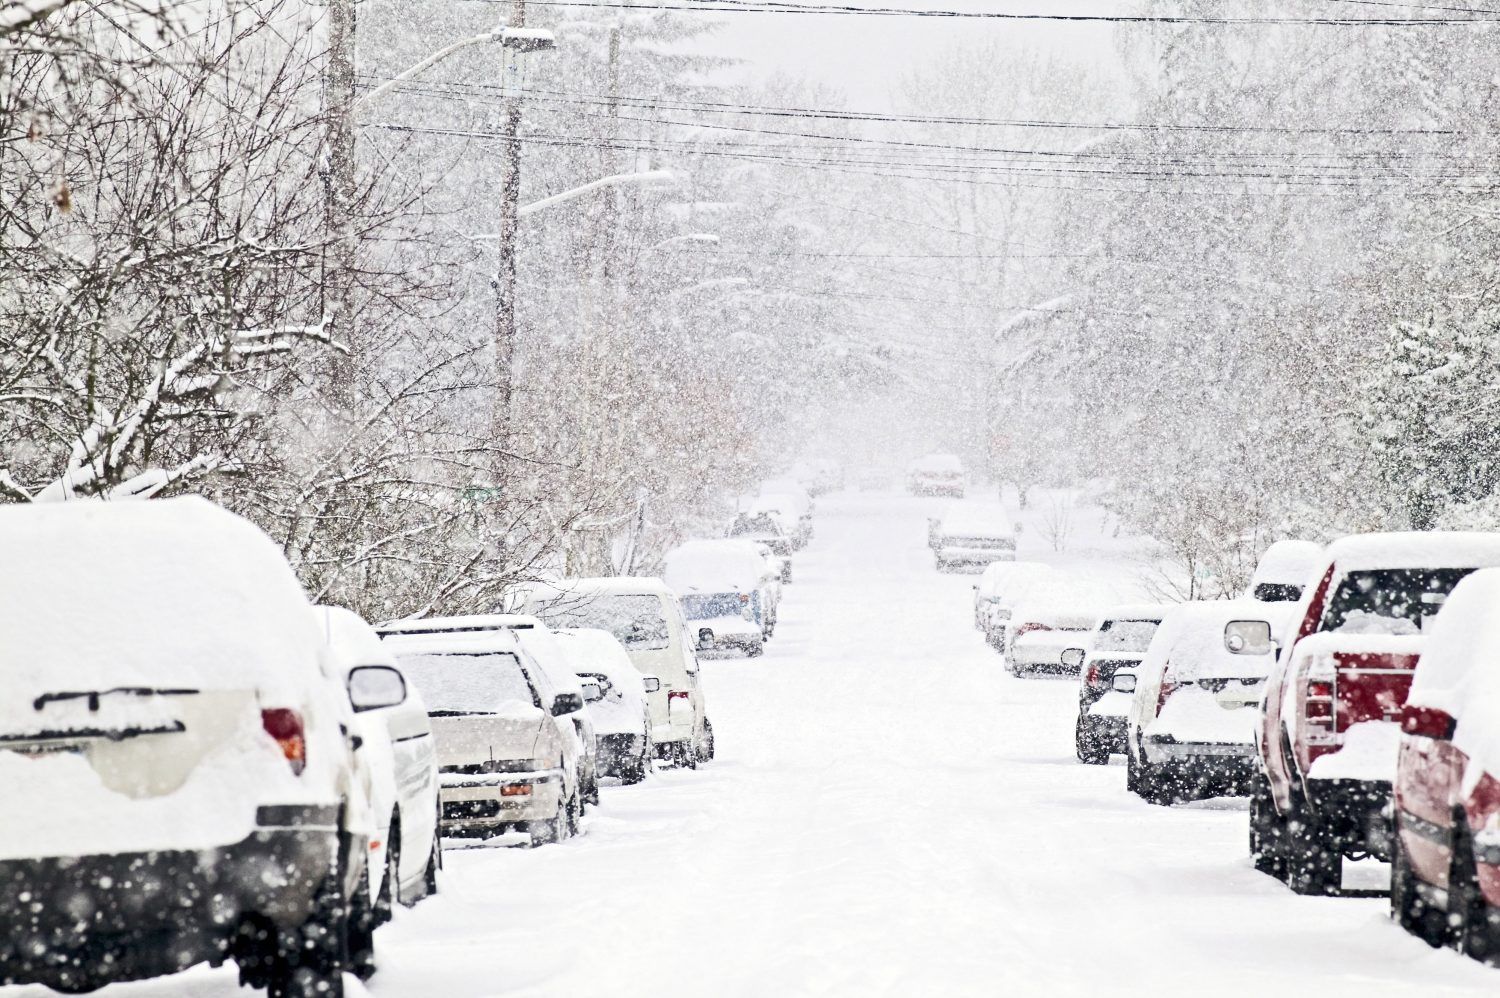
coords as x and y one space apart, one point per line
723 621
539 640
722 589
643 614
1120 641
508 754
179 787
622 717
399 754
537 637
1021 581
789 486
1285 570
1190 733
782 510
936 475
969 538
1329 731
787 499
1445 877
987 589
766 528
1042 631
